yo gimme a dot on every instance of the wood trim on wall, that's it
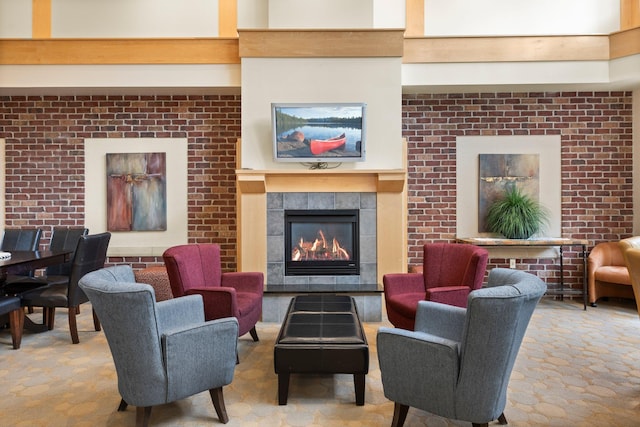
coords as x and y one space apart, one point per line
414 19
625 43
328 43
629 14
505 49
119 51
41 19
320 43
227 18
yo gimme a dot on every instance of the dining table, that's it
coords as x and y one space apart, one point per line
21 261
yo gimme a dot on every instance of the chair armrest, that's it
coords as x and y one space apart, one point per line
218 302
443 320
408 360
251 282
179 312
400 283
200 357
452 295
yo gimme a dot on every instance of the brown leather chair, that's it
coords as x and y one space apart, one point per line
631 251
607 273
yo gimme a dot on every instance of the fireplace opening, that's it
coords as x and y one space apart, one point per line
322 242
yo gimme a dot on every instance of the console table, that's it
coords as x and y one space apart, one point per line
558 242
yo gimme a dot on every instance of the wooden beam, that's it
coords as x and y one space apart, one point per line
414 19
41 19
625 43
119 51
629 14
320 43
505 49
227 18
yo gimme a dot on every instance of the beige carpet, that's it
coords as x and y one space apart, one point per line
575 368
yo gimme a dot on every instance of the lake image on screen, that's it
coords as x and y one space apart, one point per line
308 132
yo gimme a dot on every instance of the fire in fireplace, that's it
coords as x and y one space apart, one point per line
321 242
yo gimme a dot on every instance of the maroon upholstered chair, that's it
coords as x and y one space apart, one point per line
196 269
450 271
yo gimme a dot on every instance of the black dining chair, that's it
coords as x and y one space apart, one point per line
21 239
62 239
90 255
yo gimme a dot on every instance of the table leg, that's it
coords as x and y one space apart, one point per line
561 275
585 292
283 388
359 382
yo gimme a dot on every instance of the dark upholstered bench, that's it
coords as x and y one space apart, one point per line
321 334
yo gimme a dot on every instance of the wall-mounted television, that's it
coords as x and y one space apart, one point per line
318 132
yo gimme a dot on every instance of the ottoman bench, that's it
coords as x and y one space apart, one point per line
321 334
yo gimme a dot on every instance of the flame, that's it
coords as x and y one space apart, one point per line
319 249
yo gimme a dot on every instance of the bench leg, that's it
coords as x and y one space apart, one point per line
283 388
358 381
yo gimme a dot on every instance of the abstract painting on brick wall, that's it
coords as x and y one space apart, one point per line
498 172
136 192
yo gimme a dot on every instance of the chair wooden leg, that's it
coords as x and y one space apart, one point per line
96 321
218 403
16 324
502 419
50 315
399 414
73 326
254 334
122 406
143 413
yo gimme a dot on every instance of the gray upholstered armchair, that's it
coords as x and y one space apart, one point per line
458 361
162 351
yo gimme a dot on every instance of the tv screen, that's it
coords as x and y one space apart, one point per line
318 133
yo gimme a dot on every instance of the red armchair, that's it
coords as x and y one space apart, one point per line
450 271
196 269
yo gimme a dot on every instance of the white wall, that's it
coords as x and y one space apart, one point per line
15 19
320 14
134 18
375 81
520 17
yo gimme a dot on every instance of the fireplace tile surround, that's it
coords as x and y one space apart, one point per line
277 203
380 197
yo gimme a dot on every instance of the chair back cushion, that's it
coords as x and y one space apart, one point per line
90 255
64 239
454 264
496 321
21 239
127 312
193 266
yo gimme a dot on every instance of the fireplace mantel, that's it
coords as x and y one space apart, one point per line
389 185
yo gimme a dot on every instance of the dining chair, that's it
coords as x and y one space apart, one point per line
90 255
10 306
62 239
21 239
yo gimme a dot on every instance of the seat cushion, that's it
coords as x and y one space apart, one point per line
613 274
406 304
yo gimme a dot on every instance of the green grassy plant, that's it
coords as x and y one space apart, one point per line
516 215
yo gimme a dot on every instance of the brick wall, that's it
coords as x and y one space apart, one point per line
45 161
45 157
595 129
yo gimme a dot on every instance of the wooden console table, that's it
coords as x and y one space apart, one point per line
558 242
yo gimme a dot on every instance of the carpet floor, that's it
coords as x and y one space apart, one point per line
575 368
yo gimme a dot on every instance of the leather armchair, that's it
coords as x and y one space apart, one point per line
458 362
607 274
450 271
196 270
163 351
631 252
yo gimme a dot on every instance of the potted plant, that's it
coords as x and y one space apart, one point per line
516 215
